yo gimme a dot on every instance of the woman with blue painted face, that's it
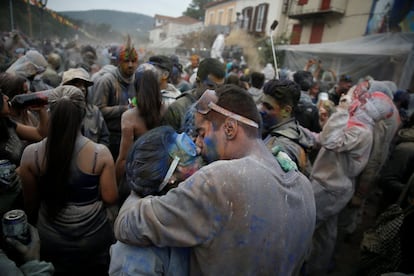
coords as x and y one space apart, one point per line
281 131
156 163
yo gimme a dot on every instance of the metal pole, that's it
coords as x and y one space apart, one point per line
274 55
272 28
11 15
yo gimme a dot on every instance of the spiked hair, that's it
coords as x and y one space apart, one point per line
127 51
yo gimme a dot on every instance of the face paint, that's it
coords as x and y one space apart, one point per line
210 153
268 121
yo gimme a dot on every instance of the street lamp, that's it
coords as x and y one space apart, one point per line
272 28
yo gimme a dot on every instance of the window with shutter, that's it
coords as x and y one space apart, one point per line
296 33
220 17
252 26
261 17
229 16
211 18
316 33
326 4
247 17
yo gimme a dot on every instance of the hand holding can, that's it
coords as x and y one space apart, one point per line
31 251
15 226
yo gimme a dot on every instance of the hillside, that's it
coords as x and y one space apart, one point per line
91 26
119 21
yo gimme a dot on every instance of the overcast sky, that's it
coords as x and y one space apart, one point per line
173 8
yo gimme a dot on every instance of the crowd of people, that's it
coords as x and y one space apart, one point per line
163 166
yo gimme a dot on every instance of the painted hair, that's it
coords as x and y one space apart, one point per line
150 158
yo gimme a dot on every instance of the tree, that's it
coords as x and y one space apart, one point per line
196 9
198 40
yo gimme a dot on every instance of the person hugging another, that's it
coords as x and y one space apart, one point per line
156 163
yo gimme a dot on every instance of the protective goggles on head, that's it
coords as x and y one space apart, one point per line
207 102
184 153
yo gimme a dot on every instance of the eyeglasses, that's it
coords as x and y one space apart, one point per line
184 153
207 102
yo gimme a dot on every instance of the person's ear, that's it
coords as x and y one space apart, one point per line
165 75
286 111
230 128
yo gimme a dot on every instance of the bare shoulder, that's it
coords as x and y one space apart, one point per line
31 148
130 113
28 156
103 152
129 118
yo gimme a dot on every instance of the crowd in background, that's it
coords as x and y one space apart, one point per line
143 163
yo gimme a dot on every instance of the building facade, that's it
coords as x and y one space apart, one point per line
320 21
167 30
254 16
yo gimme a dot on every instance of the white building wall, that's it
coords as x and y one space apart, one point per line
173 30
154 35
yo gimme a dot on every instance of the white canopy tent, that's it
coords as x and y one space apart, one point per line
387 56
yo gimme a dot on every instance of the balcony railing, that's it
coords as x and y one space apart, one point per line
315 8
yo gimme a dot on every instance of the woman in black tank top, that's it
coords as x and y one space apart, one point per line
68 181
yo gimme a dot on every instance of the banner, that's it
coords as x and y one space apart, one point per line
59 18
391 16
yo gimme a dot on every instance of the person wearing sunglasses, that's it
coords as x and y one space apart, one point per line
242 214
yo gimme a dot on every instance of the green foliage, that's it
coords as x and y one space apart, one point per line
265 52
199 40
196 9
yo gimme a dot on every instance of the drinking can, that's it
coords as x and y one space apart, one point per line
15 226
7 170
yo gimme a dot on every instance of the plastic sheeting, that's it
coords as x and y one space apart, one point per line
388 56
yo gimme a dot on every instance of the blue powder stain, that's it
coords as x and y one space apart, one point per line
212 154
189 183
257 224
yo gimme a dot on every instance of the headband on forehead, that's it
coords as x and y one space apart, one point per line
208 101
